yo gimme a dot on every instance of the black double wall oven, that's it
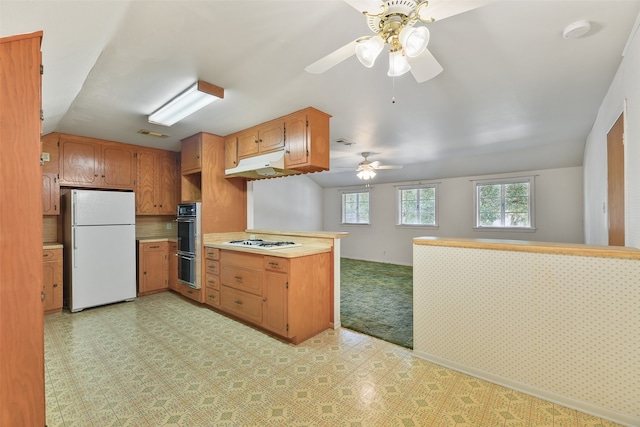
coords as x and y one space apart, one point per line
189 243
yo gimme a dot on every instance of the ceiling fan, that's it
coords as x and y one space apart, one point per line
367 170
393 23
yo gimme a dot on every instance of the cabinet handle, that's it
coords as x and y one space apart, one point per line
103 176
212 296
256 141
264 300
238 302
273 263
55 285
154 247
288 152
96 175
237 277
42 296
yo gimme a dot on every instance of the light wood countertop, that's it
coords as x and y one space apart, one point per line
536 247
151 239
293 252
52 245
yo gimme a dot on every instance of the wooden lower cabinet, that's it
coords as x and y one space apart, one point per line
212 277
153 267
287 296
52 280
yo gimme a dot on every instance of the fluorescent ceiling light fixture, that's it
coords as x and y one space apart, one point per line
198 95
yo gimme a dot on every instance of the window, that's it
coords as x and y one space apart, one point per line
355 207
417 205
505 203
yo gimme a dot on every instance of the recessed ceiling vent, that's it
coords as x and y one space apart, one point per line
152 133
344 141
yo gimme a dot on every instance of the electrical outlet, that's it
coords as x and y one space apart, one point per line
168 226
252 237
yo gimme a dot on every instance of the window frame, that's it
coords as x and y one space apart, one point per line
343 193
399 190
502 181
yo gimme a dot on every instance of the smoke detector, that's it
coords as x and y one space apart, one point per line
576 29
344 141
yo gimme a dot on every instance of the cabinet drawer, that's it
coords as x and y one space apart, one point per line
51 254
276 264
241 304
242 259
212 253
242 279
212 297
194 294
212 267
154 247
212 282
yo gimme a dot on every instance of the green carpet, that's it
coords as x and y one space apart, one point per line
377 299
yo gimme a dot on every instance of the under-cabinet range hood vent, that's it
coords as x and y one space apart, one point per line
267 165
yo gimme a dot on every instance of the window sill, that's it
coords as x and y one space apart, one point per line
430 227
507 229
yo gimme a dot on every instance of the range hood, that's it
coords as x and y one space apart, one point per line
262 166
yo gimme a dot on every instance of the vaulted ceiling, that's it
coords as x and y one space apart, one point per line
514 94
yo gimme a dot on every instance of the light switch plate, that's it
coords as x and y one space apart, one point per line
46 157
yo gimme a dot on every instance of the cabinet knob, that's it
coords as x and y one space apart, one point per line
264 300
55 285
288 152
238 302
42 296
96 175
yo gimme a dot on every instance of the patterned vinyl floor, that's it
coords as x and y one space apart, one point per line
162 361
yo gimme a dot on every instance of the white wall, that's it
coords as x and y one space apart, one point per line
625 87
288 203
558 216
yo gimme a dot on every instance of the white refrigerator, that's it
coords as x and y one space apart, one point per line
100 248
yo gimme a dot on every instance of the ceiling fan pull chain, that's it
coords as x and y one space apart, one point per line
393 94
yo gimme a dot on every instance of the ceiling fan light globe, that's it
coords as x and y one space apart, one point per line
368 50
398 64
414 40
366 174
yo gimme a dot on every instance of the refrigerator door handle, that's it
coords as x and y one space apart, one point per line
73 214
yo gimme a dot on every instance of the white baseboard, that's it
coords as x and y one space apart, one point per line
587 408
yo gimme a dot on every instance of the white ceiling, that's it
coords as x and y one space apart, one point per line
514 94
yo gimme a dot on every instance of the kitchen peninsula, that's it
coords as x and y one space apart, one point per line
292 292
558 321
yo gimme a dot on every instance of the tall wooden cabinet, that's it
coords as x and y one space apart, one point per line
224 200
22 397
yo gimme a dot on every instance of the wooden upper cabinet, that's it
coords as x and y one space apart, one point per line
50 171
307 142
79 163
261 139
156 189
118 166
230 152
89 162
191 158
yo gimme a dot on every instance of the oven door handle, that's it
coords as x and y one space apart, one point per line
185 220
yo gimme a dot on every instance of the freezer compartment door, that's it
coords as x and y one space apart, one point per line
102 207
103 268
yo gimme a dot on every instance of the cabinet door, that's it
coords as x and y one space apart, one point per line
191 154
230 152
271 136
118 166
154 267
173 266
50 194
275 303
145 184
296 150
166 186
80 163
52 280
248 143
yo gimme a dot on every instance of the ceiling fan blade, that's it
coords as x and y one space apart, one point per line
425 66
441 9
375 164
389 167
332 59
371 6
